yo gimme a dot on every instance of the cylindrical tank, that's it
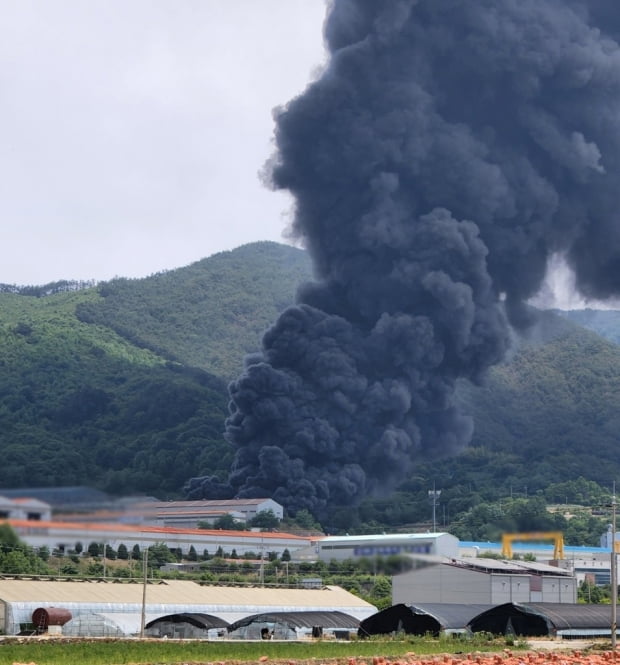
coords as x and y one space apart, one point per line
43 617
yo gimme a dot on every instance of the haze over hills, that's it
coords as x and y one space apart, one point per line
123 386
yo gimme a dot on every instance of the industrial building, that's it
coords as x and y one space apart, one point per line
355 547
24 509
65 536
484 581
113 608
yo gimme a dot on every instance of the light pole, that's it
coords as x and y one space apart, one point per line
433 495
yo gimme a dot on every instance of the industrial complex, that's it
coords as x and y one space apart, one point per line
448 586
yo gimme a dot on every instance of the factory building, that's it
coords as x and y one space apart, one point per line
65 536
355 547
24 509
484 581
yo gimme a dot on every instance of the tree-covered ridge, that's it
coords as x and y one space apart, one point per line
80 404
604 322
209 314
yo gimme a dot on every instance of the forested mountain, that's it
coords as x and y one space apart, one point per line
107 385
208 315
122 386
605 322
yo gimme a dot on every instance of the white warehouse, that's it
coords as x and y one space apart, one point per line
353 547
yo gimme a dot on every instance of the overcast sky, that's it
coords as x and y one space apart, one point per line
133 131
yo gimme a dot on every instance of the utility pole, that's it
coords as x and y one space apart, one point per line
144 581
261 571
614 572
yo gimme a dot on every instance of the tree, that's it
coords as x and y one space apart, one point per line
192 555
305 520
265 519
159 554
123 554
8 538
136 555
94 569
94 549
286 555
228 523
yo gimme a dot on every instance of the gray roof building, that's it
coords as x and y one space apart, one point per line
484 581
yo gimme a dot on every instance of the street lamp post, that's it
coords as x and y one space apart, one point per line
433 495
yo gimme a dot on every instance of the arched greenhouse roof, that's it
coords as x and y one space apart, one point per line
538 619
420 619
307 619
198 620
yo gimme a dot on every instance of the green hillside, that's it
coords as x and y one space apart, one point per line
209 314
81 405
107 386
123 387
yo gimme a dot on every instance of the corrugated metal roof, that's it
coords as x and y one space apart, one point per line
211 502
300 620
535 567
176 592
95 527
326 540
507 566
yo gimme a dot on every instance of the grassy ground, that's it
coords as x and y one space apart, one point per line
59 651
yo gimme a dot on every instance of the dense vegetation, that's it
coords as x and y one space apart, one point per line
123 386
79 404
208 315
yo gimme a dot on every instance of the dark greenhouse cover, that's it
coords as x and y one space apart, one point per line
205 621
420 619
299 620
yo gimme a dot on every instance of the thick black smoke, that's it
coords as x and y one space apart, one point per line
448 150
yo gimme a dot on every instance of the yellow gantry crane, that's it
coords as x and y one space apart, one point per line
556 536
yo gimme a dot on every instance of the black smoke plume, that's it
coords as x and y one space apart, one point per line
449 149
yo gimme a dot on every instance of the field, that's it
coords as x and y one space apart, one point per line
64 651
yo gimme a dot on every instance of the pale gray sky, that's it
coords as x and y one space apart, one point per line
133 131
